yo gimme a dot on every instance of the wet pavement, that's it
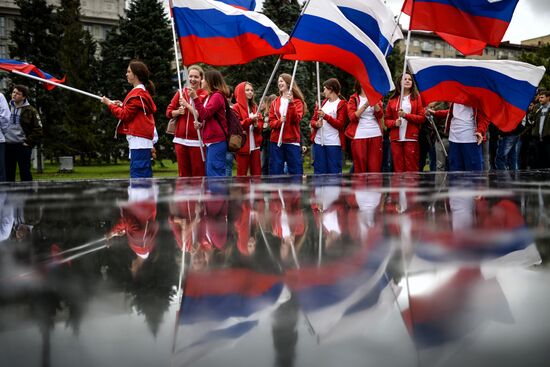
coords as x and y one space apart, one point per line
364 270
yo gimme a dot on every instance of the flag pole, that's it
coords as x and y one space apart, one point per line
404 70
56 84
179 79
280 141
269 82
319 99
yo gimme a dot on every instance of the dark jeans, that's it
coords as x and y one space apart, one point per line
507 157
140 163
465 157
18 155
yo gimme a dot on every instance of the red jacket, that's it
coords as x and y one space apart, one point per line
353 104
482 124
213 115
136 114
414 119
138 220
338 123
185 128
241 108
295 112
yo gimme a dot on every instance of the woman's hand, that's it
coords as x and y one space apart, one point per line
401 113
377 108
321 114
198 125
192 93
479 138
397 122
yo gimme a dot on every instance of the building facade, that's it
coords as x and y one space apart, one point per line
428 44
538 41
97 16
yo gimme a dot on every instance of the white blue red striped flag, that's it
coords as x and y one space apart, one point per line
216 33
501 89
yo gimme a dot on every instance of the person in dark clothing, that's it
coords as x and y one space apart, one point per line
23 132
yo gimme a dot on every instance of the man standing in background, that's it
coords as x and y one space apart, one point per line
4 121
24 131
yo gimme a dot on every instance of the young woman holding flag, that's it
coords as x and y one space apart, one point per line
186 141
136 119
328 129
285 114
404 115
365 131
248 157
211 110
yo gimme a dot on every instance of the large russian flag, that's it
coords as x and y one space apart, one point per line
216 33
323 33
23 67
375 20
484 20
220 307
501 89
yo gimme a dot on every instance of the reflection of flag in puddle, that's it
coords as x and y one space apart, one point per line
220 307
341 289
450 311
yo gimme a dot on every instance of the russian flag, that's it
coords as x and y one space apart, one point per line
215 33
461 22
375 20
328 293
323 33
501 89
222 306
23 67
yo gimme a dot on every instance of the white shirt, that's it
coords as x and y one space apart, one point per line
463 125
543 113
283 108
407 108
251 134
368 125
327 134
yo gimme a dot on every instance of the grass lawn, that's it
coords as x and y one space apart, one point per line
120 170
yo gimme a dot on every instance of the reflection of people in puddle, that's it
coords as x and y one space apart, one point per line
138 222
6 217
287 220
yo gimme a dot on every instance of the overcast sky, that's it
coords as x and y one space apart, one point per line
531 18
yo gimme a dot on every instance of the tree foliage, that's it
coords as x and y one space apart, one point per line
77 58
540 58
35 40
143 34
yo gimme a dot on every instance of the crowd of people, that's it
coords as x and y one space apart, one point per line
404 136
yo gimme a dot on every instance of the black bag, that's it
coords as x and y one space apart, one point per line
236 138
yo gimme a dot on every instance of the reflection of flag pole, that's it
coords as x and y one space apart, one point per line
56 84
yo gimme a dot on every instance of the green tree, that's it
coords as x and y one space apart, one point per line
540 57
78 127
143 34
35 40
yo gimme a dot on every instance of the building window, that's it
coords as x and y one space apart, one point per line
3 52
3 27
438 46
416 43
